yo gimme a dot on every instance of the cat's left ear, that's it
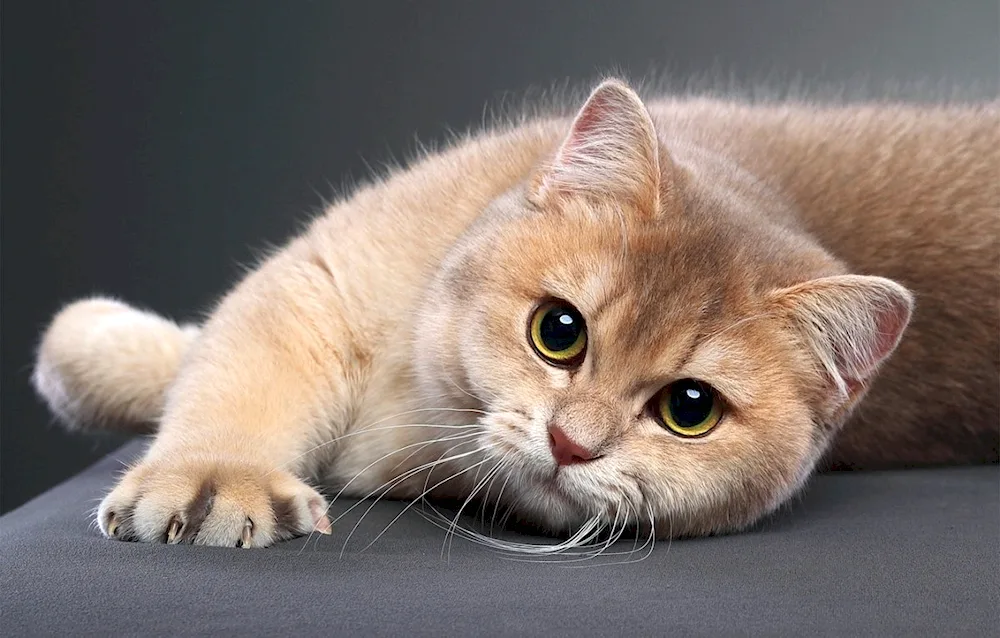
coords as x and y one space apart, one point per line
611 151
852 324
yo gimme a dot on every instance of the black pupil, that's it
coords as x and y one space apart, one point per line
560 328
690 403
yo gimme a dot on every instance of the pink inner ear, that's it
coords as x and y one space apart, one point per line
853 322
587 122
889 327
610 151
890 316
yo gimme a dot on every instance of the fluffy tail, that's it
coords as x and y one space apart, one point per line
103 365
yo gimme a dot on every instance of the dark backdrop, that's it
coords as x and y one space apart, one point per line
149 148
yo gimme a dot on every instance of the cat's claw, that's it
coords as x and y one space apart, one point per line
247 536
112 525
323 526
173 532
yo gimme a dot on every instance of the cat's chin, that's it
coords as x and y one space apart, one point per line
549 503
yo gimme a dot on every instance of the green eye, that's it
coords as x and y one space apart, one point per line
688 407
558 333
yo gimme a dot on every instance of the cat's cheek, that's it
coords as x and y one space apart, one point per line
775 488
726 484
798 475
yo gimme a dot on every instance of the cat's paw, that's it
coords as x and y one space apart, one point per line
211 502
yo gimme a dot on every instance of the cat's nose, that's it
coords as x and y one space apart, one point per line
565 450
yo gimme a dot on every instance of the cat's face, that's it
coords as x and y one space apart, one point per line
640 360
649 351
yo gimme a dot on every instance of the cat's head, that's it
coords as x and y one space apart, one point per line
646 341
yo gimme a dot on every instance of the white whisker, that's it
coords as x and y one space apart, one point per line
496 505
472 494
416 500
398 479
359 430
586 534
650 542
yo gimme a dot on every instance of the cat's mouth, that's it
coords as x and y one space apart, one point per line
553 494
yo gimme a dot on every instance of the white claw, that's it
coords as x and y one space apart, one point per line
247 535
173 531
112 525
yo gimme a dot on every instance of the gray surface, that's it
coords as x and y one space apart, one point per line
895 553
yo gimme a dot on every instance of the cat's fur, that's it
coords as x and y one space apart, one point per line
774 251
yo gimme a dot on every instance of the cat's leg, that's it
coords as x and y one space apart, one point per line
266 382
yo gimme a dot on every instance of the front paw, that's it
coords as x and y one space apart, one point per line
207 501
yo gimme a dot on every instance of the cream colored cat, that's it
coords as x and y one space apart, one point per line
659 316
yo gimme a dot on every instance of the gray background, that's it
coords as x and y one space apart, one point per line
149 148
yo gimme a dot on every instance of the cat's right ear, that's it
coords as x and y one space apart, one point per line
611 151
852 324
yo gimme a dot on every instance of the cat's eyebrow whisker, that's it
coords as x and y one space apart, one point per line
736 324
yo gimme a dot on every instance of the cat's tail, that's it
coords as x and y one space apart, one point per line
104 365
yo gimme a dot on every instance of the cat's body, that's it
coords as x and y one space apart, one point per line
398 329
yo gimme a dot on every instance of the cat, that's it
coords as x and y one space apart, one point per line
664 315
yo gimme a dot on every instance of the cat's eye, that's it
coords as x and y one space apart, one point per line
688 407
558 333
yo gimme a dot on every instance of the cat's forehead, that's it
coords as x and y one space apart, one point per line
697 265
661 271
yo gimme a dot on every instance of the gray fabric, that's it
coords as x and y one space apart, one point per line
894 553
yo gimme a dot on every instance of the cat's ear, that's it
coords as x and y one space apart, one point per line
611 151
852 323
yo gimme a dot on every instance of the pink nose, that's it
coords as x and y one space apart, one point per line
565 450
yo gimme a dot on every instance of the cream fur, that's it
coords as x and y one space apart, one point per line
105 364
773 251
